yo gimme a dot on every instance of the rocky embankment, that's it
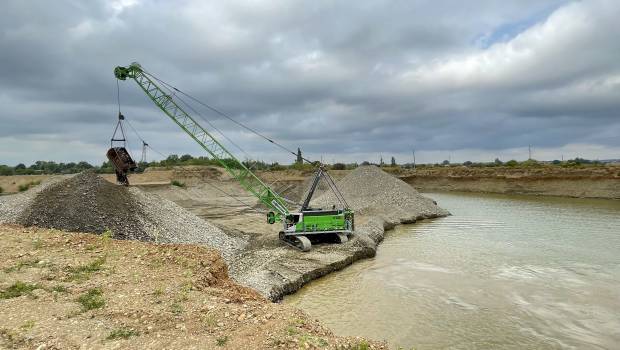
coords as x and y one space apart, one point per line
380 201
589 182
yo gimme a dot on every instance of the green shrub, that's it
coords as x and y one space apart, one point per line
22 264
1 189
122 333
298 166
18 289
177 183
92 299
221 341
27 186
83 272
530 163
512 163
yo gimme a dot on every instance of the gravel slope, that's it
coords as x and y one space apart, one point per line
88 203
372 192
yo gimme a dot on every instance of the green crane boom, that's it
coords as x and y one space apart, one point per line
234 167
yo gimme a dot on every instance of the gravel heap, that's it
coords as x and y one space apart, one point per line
88 203
11 206
370 191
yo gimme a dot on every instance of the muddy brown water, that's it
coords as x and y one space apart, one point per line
504 272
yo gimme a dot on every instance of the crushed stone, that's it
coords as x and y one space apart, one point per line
88 203
370 191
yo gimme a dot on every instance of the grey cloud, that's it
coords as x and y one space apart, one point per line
342 78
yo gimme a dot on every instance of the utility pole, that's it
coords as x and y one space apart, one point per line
144 146
413 151
299 160
529 150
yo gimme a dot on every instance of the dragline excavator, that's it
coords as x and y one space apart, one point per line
298 226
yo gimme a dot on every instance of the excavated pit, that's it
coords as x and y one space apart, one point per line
256 258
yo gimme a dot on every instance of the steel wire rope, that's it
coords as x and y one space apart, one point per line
118 101
208 122
149 146
170 86
251 166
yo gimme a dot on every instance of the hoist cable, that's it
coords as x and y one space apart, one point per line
210 124
331 182
251 165
226 116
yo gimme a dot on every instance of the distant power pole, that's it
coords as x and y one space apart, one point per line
413 151
144 146
529 150
300 159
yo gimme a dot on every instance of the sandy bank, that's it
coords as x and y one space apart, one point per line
61 290
563 184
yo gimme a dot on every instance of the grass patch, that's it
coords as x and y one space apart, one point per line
18 289
59 289
107 235
362 345
27 325
27 186
22 264
209 320
292 331
83 272
221 341
176 308
37 243
177 183
93 299
122 333
309 341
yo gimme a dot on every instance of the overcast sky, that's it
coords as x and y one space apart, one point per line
346 81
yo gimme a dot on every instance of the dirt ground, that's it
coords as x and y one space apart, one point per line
63 290
267 265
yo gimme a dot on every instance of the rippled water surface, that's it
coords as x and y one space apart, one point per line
504 272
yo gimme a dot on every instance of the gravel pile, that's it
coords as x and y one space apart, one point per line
88 203
11 206
370 191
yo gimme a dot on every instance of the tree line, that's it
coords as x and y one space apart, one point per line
51 167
